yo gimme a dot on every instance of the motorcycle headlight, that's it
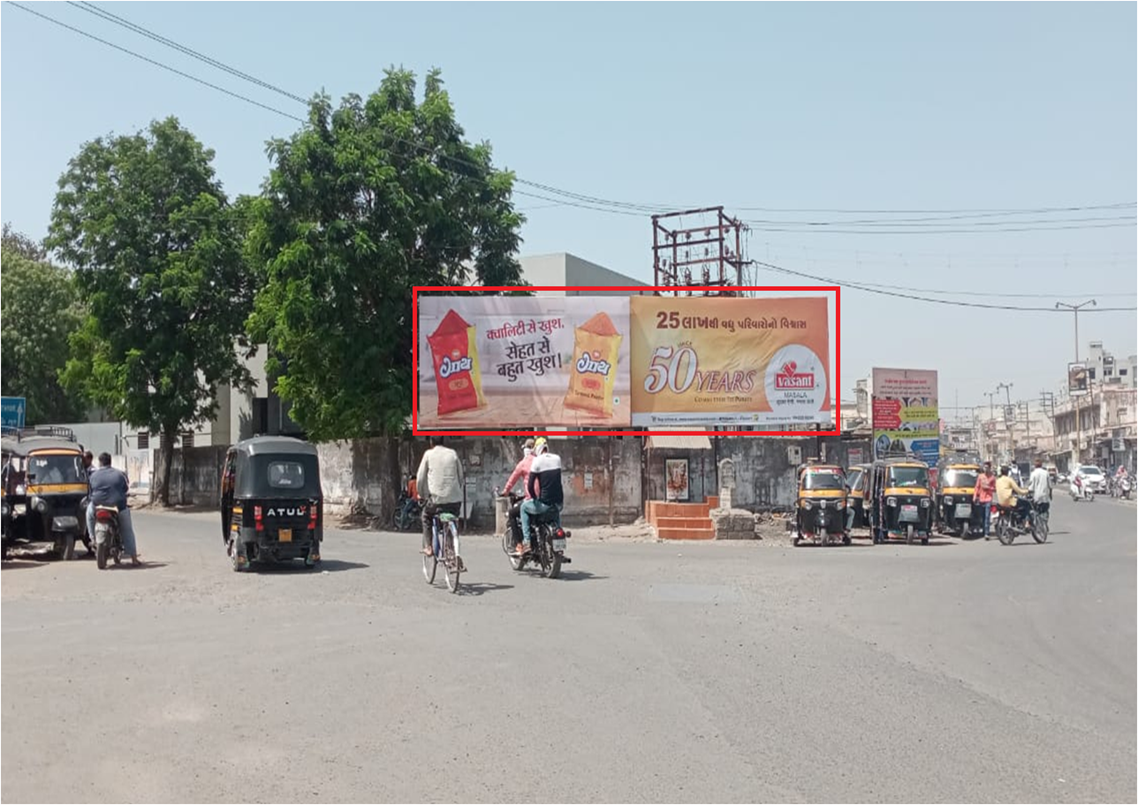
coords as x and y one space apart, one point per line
4 510
948 500
925 503
39 504
890 501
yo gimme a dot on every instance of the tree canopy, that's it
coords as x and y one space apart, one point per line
157 255
39 311
366 201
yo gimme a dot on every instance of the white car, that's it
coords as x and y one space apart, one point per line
1093 478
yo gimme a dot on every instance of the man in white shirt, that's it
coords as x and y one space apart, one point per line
1039 484
440 483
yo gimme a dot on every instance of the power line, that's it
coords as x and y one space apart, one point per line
166 67
953 302
596 203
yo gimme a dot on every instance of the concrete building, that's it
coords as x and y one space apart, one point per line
1104 367
563 269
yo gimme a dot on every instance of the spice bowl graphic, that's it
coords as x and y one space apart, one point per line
454 354
592 373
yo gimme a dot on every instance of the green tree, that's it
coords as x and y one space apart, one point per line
39 311
364 202
157 255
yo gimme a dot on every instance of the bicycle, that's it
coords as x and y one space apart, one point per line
444 530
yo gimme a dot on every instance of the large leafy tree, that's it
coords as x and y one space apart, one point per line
40 311
364 202
157 255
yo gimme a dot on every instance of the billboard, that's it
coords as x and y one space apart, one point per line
12 412
1078 380
905 414
729 361
513 361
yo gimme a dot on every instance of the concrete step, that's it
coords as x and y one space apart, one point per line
658 510
686 533
682 522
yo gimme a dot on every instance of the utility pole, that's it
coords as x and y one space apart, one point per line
1074 400
1007 387
991 417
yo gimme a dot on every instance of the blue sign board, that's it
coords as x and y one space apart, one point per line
12 412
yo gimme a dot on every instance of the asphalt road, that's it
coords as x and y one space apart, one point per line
651 672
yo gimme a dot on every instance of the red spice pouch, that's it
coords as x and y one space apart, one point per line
458 376
596 347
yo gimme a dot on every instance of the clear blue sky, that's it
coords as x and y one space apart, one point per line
836 106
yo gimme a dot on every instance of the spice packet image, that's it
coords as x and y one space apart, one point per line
596 347
458 375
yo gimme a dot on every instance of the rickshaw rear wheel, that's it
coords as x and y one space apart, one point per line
67 547
847 539
909 534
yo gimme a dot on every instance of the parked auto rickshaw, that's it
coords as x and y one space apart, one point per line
272 508
856 478
955 512
899 500
820 513
44 484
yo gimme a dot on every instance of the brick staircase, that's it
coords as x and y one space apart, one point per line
682 520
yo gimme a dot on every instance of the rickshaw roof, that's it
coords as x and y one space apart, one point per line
823 467
275 445
903 462
34 444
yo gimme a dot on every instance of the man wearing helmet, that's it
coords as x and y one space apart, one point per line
544 487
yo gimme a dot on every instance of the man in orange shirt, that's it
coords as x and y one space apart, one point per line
982 495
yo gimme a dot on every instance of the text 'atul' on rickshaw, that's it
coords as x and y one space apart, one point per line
820 510
899 500
272 508
44 485
956 484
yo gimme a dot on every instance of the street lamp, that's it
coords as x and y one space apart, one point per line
1078 411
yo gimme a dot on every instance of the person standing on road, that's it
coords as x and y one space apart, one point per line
1039 484
109 487
440 482
982 495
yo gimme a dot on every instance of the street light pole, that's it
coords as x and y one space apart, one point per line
991 417
1078 408
1007 387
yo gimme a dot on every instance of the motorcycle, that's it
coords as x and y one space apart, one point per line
108 536
547 544
1124 486
408 512
1010 525
1081 491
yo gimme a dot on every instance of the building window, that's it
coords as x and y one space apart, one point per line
143 440
1122 413
1122 372
187 438
1092 373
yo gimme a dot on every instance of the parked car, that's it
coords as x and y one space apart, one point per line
1093 477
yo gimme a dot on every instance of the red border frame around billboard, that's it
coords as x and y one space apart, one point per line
837 411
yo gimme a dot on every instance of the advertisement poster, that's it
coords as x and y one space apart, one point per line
905 415
1078 380
730 361
509 362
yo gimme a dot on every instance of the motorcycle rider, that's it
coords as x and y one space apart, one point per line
109 488
1007 490
544 486
1039 483
520 473
440 483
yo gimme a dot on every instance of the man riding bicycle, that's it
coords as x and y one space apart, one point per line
544 487
440 483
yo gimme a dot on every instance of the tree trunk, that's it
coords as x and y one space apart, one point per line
165 464
390 498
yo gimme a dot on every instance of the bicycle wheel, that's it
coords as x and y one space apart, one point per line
451 566
431 564
1041 526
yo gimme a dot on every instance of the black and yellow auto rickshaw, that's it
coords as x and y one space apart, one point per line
856 477
44 485
820 511
272 508
899 500
956 484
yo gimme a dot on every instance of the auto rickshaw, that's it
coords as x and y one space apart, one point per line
856 478
44 485
820 512
955 512
272 507
899 500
